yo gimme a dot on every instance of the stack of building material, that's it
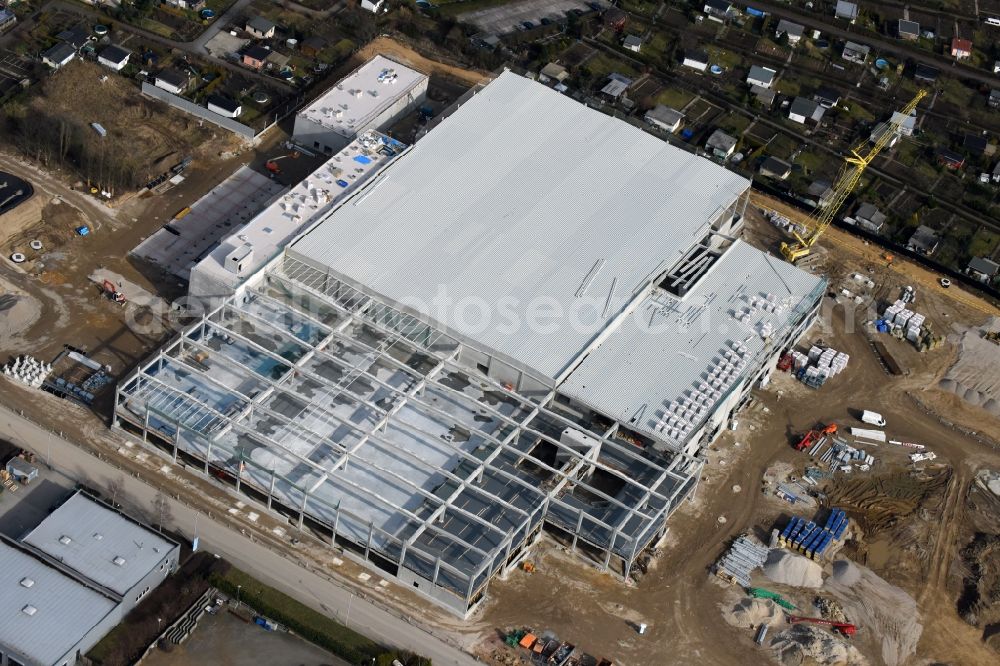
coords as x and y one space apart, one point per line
744 557
904 322
28 370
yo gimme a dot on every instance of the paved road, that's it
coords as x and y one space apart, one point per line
266 565
198 45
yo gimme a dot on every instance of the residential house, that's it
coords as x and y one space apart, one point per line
7 20
761 76
926 73
820 192
856 52
58 55
696 60
793 31
667 119
616 86
976 144
553 72
826 97
803 109
772 167
614 18
192 5
632 43
224 106
982 269
372 5
869 217
260 27
717 9
907 124
172 81
996 66
846 10
77 37
311 47
255 56
114 57
961 48
720 145
765 96
924 240
996 173
950 158
994 99
909 30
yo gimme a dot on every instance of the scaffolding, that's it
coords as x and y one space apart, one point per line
361 422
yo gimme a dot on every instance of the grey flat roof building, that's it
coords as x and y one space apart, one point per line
99 543
341 383
521 194
45 614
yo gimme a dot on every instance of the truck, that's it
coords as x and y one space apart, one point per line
874 418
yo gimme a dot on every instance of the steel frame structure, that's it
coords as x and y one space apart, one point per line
362 422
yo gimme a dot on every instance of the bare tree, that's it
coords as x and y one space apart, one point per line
161 510
116 489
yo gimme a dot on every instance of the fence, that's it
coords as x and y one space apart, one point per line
245 132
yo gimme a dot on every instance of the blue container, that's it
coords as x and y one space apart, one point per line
82 231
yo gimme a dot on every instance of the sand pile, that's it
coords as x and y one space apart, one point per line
751 613
18 312
803 643
884 611
791 569
975 377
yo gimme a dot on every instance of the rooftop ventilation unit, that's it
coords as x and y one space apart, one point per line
119 561
29 610
27 582
65 540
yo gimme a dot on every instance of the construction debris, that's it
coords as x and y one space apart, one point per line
743 557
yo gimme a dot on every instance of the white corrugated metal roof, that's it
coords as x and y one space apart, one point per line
670 345
353 102
64 609
97 536
523 194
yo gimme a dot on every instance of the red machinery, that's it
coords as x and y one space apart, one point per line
112 292
813 436
785 362
845 628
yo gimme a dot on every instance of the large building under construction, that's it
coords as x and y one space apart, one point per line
532 319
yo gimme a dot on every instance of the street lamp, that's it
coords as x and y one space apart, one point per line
238 588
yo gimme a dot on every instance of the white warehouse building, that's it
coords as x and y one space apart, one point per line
373 96
531 320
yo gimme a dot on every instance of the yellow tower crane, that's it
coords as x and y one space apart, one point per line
850 175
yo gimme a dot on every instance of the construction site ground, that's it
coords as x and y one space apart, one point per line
916 544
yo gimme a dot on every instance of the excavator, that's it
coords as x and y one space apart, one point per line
850 175
846 629
814 435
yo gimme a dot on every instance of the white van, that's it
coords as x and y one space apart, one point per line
873 418
992 20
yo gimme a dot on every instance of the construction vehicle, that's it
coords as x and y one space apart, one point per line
846 629
850 175
272 165
785 362
761 593
813 436
113 293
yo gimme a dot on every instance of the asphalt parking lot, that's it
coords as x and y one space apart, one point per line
507 18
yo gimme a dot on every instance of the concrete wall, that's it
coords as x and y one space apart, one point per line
239 129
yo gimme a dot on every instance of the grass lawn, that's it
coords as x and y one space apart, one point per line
734 124
307 623
674 98
156 27
812 161
724 58
603 64
858 112
782 146
983 243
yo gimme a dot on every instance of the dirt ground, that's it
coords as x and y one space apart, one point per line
911 524
406 55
